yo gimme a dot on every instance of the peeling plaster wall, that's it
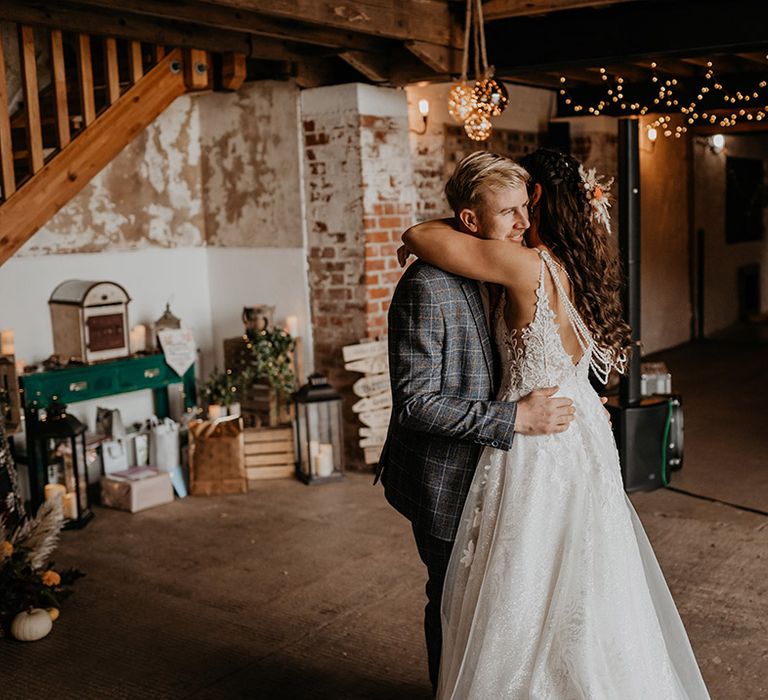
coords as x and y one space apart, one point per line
149 196
250 166
147 215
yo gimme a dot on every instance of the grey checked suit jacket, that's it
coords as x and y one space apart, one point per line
442 371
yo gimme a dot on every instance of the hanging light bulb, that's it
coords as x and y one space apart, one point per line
460 101
478 126
490 96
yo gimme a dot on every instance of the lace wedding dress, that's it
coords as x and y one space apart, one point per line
553 591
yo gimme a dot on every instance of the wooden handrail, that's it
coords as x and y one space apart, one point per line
66 174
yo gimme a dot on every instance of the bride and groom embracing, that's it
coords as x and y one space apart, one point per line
541 581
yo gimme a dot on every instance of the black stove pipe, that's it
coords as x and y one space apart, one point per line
629 251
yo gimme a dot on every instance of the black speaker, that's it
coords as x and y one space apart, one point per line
649 437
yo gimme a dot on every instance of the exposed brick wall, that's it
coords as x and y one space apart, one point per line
359 192
383 229
387 181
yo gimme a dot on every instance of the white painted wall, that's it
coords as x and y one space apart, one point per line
246 276
151 276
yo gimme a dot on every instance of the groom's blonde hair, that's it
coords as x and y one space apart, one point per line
478 172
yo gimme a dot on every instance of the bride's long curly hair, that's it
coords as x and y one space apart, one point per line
567 228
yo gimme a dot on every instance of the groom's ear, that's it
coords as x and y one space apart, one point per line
536 196
469 220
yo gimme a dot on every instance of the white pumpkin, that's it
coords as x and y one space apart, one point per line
31 625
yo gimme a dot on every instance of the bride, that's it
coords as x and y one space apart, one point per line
553 591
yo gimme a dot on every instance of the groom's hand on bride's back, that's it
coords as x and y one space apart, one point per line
539 413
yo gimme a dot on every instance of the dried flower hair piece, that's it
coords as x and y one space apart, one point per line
597 195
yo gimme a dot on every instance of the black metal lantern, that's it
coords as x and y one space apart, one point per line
319 432
60 445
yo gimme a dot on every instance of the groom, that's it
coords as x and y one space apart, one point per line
445 374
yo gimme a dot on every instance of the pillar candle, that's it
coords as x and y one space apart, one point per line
54 491
292 325
139 338
7 344
215 411
324 460
70 506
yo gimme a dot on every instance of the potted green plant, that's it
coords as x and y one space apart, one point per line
222 390
268 358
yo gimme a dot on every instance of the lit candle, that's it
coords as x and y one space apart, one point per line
139 338
324 460
70 506
53 491
292 325
215 411
7 345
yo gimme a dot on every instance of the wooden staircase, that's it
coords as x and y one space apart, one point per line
102 93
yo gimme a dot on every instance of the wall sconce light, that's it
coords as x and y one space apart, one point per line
652 135
716 143
424 112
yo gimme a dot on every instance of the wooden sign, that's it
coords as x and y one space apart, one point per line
373 384
364 432
369 365
372 454
350 353
371 403
376 419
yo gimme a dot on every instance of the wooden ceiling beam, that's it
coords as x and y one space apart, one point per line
441 59
503 9
425 20
672 66
233 19
375 68
759 58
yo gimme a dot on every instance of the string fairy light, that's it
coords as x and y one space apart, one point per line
749 105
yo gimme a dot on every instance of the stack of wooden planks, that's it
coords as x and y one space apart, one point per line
375 404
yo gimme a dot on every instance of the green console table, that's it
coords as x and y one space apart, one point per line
95 381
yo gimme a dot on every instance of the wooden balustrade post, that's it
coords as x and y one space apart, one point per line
60 88
111 69
85 71
6 145
137 66
31 97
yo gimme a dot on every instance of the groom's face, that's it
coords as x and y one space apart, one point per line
503 214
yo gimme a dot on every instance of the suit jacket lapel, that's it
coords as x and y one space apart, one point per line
476 306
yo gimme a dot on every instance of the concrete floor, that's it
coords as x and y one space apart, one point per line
316 592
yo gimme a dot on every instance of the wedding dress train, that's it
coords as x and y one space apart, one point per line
553 591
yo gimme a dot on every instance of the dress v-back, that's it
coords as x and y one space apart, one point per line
553 591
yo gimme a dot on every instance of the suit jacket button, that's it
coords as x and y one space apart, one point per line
495 443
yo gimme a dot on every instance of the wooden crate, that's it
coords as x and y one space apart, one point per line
269 453
260 404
